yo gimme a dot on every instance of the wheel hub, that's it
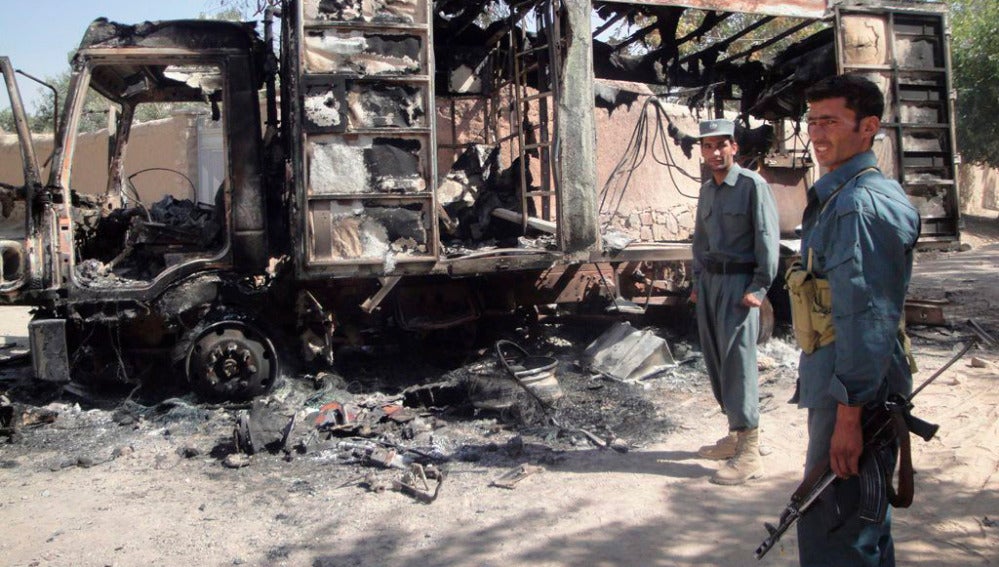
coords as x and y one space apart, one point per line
232 360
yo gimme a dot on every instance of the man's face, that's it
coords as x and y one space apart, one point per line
836 133
718 152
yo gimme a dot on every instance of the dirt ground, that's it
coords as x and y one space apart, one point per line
123 483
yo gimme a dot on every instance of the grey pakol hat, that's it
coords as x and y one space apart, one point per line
718 127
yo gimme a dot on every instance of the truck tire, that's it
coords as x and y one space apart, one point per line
230 359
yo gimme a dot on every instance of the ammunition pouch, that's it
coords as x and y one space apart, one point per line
811 312
811 308
811 297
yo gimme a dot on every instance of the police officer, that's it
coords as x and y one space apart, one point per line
860 229
735 260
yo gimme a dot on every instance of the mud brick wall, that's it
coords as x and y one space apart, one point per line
655 206
170 142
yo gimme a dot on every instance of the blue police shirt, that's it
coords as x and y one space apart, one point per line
737 222
862 242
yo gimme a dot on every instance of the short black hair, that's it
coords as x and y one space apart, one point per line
862 96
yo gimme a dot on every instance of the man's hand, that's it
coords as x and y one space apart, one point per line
847 442
750 300
693 296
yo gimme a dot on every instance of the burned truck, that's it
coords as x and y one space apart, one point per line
370 166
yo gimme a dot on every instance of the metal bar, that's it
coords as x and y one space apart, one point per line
454 129
768 42
704 27
524 220
793 8
32 177
546 76
520 133
728 41
534 49
388 284
640 34
539 96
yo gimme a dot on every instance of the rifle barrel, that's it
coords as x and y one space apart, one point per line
971 344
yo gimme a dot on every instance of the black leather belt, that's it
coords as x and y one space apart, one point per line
729 267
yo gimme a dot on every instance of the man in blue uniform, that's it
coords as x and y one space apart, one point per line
860 229
736 239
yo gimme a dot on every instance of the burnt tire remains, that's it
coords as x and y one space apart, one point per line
231 360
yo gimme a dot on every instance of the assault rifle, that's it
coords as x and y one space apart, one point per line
884 426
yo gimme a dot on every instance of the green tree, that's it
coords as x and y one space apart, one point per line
6 120
975 59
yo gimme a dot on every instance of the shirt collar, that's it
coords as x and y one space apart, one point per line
831 181
733 175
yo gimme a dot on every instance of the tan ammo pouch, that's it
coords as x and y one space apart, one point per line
811 311
811 307
811 297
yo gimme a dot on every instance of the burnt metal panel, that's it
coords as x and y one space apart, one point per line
360 87
793 8
49 351
369 231
364 53
247 202
195 35
366 11
905 50
366 165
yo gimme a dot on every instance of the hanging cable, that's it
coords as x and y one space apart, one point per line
642 139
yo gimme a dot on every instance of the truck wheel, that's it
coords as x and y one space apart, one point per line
232 360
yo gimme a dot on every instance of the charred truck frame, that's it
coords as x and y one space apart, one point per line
420 165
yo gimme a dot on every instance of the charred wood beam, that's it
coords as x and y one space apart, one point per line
723 44
516 13
638 35
767 43
467 18
710 20
666 22
669 23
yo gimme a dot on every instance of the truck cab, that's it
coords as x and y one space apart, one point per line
122 219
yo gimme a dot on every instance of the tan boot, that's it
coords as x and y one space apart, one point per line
722 449
746 463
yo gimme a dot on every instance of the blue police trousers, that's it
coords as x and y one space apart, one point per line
831 533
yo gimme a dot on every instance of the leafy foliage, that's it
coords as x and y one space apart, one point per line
975 59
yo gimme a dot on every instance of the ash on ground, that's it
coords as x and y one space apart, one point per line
377 417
